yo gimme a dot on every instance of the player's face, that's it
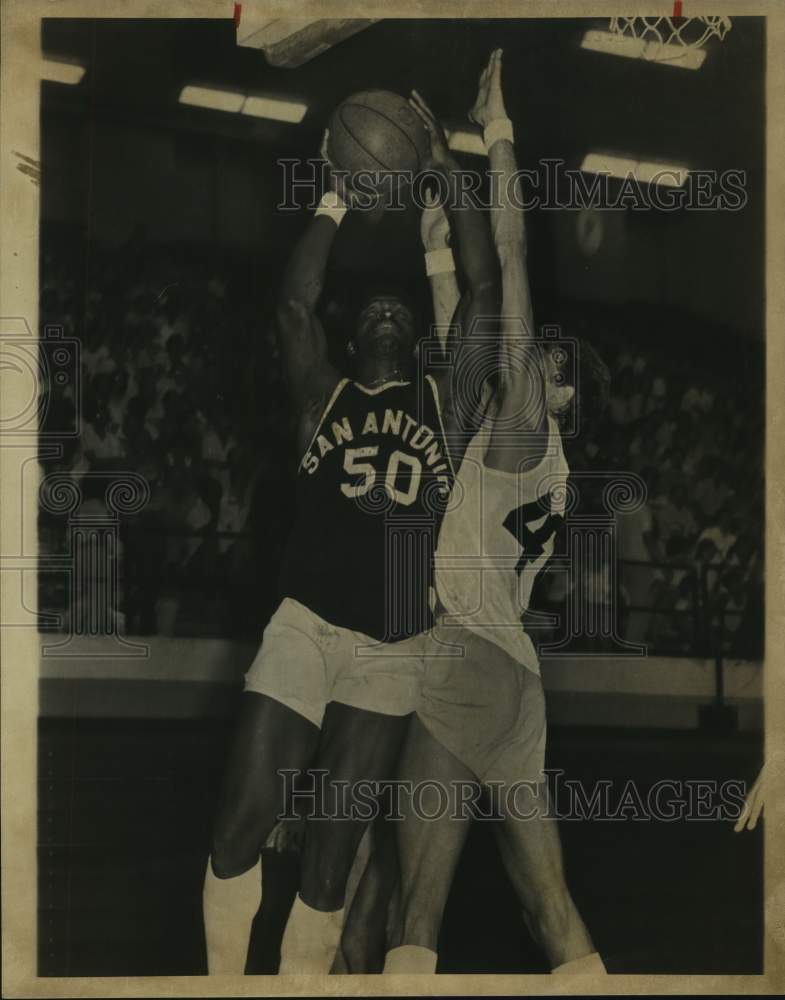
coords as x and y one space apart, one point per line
385 319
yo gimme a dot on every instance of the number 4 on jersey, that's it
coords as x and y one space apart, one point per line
532 525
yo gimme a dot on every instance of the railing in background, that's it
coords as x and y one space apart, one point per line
224 584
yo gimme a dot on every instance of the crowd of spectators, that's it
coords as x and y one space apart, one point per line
181 382
691 554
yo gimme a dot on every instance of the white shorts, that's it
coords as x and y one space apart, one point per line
305 662
485 708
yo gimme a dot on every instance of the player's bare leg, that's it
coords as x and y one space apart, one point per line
368 919
429 850
268 736
532 856
356 746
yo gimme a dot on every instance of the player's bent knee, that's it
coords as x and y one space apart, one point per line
322 886
235 852
228 862
328 855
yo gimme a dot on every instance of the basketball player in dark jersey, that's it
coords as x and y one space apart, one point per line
338 671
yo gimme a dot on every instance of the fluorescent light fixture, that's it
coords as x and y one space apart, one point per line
216 99
646 172
209 97
275 108
685 57
463 141
61 72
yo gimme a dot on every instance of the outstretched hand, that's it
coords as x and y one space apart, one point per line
489 103
753 805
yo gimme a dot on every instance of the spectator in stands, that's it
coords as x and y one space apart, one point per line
670 626
721 532
712 490
626 402
96 353
697 401
121 389
677 607
727 607
674 516
219 440
140 443
657 399
102 440
637 545
166 399
236 498
745 554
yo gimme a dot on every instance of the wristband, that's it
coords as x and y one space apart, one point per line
439 262
333 206
499 128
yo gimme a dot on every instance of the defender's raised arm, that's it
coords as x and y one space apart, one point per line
482 294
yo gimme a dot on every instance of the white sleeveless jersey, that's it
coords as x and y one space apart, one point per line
495 538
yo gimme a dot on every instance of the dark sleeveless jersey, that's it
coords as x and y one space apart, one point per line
371 493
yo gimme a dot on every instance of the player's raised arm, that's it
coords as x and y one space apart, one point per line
439 265
521 389
303 344
482 295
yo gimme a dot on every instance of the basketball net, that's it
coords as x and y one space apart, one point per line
665 37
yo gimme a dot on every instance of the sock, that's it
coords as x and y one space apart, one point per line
229 906
310 940
587 964
410 958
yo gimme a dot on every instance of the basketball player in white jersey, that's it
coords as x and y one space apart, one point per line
336 678
481 716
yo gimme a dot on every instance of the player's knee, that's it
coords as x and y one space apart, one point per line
230 859
235 848
328 853
323 883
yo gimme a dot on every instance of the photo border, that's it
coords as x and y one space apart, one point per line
20 647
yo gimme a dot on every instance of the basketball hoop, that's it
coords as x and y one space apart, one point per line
667 38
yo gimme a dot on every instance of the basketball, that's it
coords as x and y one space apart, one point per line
376 130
